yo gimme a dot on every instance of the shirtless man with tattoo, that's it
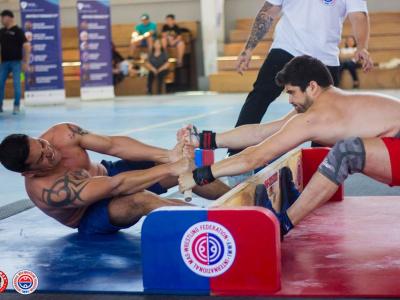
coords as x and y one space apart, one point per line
97 198
363 130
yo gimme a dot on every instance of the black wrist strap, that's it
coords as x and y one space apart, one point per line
203 175
207 140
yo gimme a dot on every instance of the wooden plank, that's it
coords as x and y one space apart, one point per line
247 23
72 85
375 79
240 35
375 18
391 42
376 29
234 49
381 17
231 82
375 43
228 63
243 194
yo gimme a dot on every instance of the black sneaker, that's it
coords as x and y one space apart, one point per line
289 193
261 196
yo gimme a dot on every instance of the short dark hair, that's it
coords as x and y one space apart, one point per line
8 13
301 70
14 151
170 16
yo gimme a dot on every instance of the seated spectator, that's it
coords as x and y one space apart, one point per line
121 67
158 66
171 37
144 35
346 57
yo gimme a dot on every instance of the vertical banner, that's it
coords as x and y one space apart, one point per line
95 49
44 81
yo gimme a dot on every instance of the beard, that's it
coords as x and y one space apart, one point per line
302 108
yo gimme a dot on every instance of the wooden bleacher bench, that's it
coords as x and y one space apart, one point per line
384 45
121 36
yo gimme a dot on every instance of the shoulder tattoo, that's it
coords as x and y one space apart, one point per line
64 191
74 129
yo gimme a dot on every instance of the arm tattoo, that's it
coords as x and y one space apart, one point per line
76 130
64 192
261 26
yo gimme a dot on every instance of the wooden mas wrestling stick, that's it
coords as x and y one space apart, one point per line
188 193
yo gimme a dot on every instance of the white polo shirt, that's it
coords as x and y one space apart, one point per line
313 27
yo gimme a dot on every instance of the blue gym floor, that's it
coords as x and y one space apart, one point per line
68 262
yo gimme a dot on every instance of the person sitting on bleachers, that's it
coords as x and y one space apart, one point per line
121 67
346 57
144 35
171 37
158 66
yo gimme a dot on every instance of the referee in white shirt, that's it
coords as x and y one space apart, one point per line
307 27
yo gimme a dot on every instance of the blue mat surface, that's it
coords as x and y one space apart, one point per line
67 261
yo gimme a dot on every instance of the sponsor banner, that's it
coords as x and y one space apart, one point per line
95 49
41 23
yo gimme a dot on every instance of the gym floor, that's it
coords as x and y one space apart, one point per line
153 120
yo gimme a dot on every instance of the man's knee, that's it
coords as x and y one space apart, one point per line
346 157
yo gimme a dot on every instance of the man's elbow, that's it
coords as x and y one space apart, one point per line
116 185
254 158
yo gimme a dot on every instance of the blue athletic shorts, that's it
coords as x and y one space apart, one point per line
96 219
144 44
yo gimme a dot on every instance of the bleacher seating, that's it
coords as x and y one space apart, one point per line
383 46
121 33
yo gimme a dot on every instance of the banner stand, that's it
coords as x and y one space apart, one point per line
44 80
95 49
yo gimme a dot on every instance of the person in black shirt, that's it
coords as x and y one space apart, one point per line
158 66
171 37
12 40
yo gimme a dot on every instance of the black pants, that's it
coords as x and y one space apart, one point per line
351 66
160 76
265 90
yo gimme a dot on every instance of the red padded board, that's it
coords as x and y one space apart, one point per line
347 248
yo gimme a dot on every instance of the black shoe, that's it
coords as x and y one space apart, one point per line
261 196
289 193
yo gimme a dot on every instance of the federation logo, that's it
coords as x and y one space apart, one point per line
208 249
3 282
328 2
25 282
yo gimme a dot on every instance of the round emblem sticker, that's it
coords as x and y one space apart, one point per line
25 282
208 249
328 2
3 282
